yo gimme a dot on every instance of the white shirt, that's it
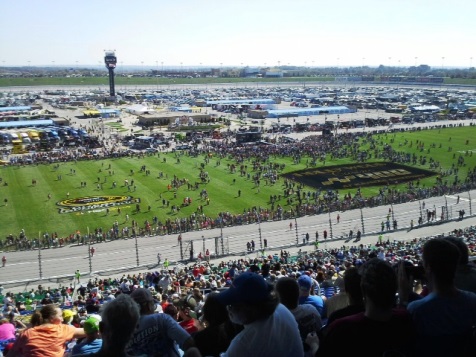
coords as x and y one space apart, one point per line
276 336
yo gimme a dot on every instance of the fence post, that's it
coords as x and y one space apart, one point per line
470 206
421 213
259 231
89 255
297 233
191 250
137 250
330 223
181 247
446 205
221 235
39 256
216 247
362 219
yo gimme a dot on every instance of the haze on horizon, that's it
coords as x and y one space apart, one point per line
238 33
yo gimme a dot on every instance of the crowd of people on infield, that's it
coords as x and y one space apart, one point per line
254 163
413 298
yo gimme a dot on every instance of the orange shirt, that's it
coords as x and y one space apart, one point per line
44 341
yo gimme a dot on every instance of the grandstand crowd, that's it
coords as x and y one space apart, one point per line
411 298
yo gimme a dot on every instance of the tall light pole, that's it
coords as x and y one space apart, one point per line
181 69
416 58
470 62
157 74
162 64
442 62
142 67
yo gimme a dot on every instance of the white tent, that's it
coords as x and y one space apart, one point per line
139 109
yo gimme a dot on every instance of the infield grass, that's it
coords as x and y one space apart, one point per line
29 207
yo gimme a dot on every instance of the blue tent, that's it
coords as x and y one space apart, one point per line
14 109
25 123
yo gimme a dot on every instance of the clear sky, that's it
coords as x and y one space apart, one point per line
239 32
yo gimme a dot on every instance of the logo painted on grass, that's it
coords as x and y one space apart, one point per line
358 175
94 202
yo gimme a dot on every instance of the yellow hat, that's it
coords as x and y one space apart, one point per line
67 314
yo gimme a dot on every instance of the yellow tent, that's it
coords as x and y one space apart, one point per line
92 113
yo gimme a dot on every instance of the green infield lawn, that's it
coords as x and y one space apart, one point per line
28 206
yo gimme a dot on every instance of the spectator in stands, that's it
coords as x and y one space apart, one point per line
118 321
186 314
218 332
156 334
339 300
444 319
386 329
354 295
307 317
465 278
305 297
269 328
92 342
68 316
164 301
48 339
47 299
7 329
172 311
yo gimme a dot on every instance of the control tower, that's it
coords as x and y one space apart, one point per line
110 60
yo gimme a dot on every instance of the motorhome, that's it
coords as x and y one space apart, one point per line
52 135
5 139
63 134
44 137
34 136
23 136
73 133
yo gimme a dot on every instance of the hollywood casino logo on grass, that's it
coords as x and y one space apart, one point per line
93 202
